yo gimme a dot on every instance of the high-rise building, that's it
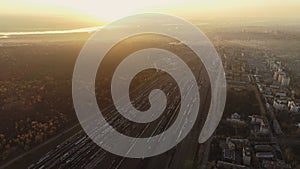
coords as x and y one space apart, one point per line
285 81
246 156
275 76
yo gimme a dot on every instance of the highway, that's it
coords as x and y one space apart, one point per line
79 151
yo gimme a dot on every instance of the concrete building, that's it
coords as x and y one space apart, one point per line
264 155
280 105
260 124
275 76
285 81
271 63
275 165
280 76
229 151
246 156
274 87
235 116
224 164
280 94
294 107
263 148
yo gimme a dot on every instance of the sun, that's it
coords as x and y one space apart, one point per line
114 9
107 10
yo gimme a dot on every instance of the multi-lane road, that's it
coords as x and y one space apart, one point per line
79 151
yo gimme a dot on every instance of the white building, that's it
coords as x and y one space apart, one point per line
235 116
294 107
261 123
275 76
246 156
280 94
285 81
281 75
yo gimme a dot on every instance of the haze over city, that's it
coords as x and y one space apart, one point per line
252 44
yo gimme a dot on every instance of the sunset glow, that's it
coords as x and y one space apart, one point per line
113 9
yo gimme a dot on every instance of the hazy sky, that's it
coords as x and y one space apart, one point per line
113 9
